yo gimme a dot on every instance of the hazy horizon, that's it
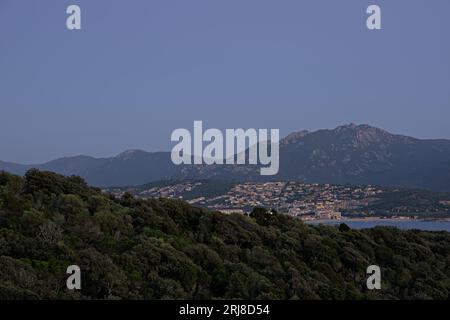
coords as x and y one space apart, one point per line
168 149
138 70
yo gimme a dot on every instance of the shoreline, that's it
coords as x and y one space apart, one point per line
373 219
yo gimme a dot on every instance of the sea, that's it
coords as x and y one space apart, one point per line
426 225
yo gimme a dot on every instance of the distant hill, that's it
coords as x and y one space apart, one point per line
128 168
356 154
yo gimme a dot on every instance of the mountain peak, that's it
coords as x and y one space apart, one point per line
358 127
128 154
294 136
364 135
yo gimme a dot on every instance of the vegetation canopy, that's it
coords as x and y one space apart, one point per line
166 249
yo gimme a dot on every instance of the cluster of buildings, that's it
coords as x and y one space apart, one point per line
306 201
176 190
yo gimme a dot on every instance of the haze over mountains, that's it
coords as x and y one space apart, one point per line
355 154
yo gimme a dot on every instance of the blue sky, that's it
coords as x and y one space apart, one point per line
141 68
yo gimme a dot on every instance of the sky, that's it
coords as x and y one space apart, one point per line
139 69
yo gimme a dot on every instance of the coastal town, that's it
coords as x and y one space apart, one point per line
306 201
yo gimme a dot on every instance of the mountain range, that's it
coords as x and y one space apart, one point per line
354 154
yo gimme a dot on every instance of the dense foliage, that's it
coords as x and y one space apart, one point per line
166 249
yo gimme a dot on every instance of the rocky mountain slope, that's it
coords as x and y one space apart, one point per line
356 154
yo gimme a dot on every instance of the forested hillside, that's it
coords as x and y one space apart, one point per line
166 249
